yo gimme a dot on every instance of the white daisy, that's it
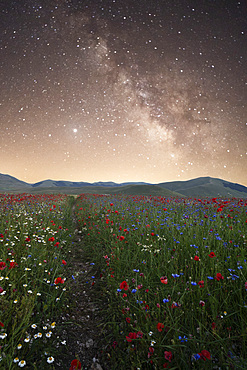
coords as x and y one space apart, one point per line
22 363
50 360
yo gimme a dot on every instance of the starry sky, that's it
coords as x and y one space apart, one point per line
123 90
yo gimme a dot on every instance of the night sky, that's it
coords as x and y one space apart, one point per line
123 90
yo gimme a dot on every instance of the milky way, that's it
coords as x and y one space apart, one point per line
123 90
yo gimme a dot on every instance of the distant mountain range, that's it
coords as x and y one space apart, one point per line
199 187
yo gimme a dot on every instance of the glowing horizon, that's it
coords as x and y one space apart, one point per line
123 92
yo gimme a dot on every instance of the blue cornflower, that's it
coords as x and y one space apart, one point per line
193 283
210 278
165 300
133 291
184 339
195 357
175 275
136 270
119 290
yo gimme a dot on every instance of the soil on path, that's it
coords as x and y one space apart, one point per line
81 327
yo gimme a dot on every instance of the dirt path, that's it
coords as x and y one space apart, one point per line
81 326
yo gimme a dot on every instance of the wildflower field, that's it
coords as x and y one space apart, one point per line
171 275
175 279
34 229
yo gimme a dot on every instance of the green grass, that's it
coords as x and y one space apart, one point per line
142 241
171 277
34 231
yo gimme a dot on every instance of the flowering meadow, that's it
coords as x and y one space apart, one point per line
173 276
34 231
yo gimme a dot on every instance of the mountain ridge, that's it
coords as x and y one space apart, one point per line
202 186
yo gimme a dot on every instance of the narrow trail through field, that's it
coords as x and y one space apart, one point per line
81 326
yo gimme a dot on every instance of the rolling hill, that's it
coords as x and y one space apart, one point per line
206 187
199 187
9 183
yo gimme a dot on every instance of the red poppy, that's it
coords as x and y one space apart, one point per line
160 327
51 239
2 265
124 285
59 280
12 265
201 284
196 258
75 365
121 237
1 324
64 262
219 277
213 325
56 244
211 255
168 355
28 239
205 354
131 336
163 280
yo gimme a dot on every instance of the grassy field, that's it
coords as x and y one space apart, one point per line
173 272
171 275
34 232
